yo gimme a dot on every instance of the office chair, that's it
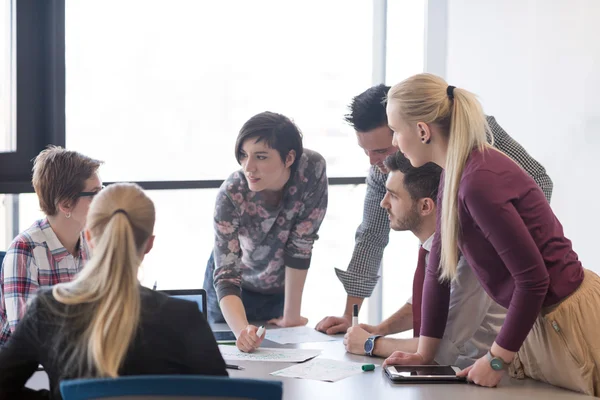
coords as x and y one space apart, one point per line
170 387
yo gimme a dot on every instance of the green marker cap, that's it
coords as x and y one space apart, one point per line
368 367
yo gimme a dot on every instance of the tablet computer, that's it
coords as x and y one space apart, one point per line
424 373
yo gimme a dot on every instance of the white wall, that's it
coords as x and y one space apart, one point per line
536 66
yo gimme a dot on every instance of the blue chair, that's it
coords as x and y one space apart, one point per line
165 387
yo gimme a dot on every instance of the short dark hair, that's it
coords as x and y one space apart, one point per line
276 130
59 175
367 110
421 182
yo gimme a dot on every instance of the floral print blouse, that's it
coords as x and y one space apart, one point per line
255 241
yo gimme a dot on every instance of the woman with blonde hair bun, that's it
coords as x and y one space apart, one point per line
495 215
103 323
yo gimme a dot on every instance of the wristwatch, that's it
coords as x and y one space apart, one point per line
370 344
496 363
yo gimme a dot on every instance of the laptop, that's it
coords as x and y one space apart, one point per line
195 295
199 296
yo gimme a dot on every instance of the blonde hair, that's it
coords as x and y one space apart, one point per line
426 98
120 220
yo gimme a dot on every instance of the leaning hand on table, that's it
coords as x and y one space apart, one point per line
285 322
354 340
333 325
482 374
248 340
402 358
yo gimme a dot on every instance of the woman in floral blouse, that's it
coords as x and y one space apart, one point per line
267 216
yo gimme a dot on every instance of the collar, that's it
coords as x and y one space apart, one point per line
427 244
56 247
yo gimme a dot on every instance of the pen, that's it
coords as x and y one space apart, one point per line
231 366
355 315
154 287
260 331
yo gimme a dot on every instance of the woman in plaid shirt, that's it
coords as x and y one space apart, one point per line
53 249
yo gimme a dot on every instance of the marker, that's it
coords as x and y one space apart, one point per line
231 366
355 315
368 367
260 331
154 287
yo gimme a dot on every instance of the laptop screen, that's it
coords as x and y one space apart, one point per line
196 295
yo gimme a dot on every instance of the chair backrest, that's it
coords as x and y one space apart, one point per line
170 387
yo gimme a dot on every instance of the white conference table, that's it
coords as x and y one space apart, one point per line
374 384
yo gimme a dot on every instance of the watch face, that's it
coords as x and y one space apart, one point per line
497 365
368 346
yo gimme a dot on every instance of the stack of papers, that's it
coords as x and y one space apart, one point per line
231 353
322 369
296 335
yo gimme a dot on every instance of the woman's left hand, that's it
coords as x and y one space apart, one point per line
285 322
482 374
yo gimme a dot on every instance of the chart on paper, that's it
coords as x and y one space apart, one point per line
321 369
231 353
296 335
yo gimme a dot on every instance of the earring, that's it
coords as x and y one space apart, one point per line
428 141
68 215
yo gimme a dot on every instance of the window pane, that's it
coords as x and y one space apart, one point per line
162 94
7 76
405 39
29 210
399 264
6 233
184 240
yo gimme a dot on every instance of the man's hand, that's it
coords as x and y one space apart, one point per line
354 340
333 325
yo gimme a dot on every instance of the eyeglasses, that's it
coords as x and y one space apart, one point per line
90 194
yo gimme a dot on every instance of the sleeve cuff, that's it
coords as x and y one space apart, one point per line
296 263
505 342
357 285
227 290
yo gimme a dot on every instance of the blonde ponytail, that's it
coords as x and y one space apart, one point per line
120 220
426 98
468 128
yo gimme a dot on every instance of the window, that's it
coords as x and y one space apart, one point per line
405 39
161 95
179 86
7 76
184 240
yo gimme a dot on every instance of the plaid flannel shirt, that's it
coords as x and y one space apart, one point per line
35 259
372 235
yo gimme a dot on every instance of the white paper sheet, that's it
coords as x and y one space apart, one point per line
299 334
322 369
231 353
